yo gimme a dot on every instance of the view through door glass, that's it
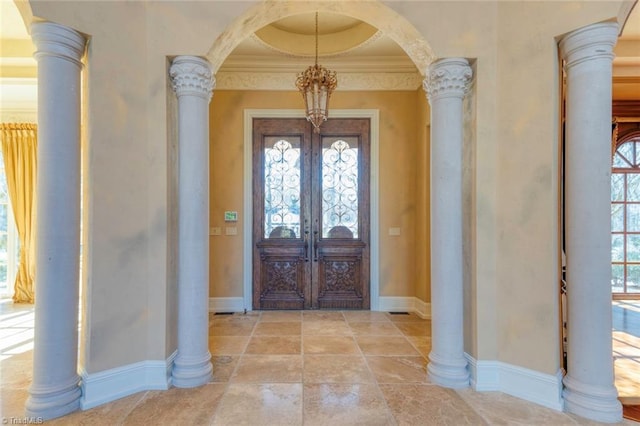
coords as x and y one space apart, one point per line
311 214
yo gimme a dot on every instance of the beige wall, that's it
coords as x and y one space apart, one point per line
402 139
130 285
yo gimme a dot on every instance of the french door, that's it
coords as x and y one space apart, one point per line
311 214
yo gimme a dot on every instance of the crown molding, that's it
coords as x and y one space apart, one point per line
355 64
346 81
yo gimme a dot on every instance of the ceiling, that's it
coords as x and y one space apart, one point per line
272 57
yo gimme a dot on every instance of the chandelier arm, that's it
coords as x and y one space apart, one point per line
316 38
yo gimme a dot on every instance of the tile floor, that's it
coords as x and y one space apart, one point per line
291 368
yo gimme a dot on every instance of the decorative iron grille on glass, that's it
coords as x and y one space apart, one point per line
316 84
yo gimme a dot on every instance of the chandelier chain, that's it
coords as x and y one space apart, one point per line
316 38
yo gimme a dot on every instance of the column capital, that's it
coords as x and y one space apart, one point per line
593 42
191 75
58 41
446 78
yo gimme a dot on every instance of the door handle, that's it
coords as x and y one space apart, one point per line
306 243
315 245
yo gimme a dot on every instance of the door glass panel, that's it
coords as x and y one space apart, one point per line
282 187
339 187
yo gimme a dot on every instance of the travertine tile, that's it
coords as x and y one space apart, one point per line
12 402
227 345
269 369
278 329
177 406
421 343
223 367
15 370
425 405
398 369
356 316
322 316
385 345
231 328
500 409
328 327
374 328
336 369
260 404
345 404
415 328
274 345
268 316
112 413
335 345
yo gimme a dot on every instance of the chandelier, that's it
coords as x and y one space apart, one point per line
316 84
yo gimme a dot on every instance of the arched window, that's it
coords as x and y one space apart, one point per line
625 218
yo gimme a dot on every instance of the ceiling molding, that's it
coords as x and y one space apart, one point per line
346 81
384 64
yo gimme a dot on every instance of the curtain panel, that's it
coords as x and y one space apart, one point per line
19 150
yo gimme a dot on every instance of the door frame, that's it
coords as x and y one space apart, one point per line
374 246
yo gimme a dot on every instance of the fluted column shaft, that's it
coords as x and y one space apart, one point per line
446 85
193 83
55 389
589 385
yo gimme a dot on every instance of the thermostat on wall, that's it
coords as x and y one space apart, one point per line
230 216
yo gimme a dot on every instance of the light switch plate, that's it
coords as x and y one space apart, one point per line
394 231
216 230
231 230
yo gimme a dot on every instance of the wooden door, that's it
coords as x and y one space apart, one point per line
311 214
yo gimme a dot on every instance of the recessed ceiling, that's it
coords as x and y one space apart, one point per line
295 35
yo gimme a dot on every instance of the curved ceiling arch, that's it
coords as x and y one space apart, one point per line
373 13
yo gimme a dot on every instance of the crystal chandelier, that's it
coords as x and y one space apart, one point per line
316 84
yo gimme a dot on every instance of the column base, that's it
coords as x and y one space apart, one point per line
191 372
49 402
448 372
592 402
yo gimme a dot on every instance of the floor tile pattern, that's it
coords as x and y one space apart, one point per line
294 368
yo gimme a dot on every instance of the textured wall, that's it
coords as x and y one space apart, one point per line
400 136
514 276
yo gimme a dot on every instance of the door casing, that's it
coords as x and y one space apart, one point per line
249 115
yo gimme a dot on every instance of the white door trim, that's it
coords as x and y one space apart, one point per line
249 115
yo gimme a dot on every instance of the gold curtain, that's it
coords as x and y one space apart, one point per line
19 150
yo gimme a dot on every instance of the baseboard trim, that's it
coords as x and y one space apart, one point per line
530 385
386 304
106 386
226 304
405 304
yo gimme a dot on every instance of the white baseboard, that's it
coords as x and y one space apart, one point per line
106 386
226 304
405 304
530 385
386 304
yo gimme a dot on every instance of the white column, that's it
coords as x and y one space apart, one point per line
589 383
446 85
193 84
55 389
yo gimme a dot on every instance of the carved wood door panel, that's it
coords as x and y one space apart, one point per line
311 214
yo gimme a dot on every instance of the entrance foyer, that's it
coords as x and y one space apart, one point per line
311 214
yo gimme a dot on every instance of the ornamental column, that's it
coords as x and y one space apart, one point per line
55 389
589 383
446 85
193 83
